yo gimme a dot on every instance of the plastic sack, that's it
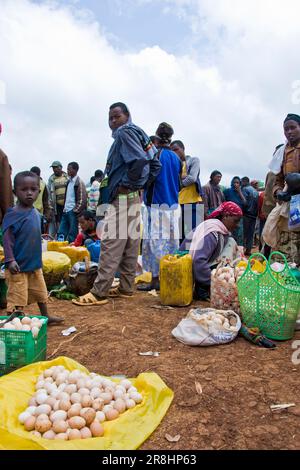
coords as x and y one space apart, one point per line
223 291
55 267
294 219
271 231
128 432
203 327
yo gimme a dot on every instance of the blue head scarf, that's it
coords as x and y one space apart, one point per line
232 195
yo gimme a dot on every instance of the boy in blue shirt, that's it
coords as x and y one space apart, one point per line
23 249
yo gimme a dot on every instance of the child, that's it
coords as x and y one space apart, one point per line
88 225
23 249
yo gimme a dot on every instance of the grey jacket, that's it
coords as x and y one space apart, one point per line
193 173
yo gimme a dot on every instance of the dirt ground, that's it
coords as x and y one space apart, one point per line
240 381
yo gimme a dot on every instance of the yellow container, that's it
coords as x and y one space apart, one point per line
55 246
75 253
176 280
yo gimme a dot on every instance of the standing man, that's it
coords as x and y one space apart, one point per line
42 203
57 185
94 192
6 194
213 194
128 170
75 203
250 214
190 196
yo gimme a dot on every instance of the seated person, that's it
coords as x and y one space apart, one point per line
88 233
208 243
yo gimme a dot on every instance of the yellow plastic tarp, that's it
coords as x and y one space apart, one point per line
128 432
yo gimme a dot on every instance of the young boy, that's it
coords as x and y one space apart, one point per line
88 225
23 249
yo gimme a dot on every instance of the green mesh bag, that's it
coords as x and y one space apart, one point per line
270 300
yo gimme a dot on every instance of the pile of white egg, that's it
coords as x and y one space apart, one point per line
224 293
33 324
73 405
215 320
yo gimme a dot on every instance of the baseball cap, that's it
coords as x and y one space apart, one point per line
56 163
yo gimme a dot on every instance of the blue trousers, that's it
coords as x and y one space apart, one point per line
68 226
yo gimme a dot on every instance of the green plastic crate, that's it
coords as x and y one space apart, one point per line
21 348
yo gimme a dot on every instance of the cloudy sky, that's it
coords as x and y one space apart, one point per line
224 73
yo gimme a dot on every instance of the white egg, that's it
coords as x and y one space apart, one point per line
132 389
16 321
100 416
23 416
25 328
95 392
43 409
9 326
62 387
137 397
61 379
35 331
126 384
59 415
31 410
55 393
26 321
107 408
41 398
39 385
119 394
130 404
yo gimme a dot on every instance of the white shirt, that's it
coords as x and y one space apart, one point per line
70 195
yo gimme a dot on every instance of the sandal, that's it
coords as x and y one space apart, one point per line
116 292
89 299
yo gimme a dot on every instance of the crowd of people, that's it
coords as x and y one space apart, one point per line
150 182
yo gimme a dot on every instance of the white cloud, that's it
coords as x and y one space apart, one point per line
61 75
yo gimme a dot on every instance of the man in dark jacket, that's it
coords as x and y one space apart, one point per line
250 214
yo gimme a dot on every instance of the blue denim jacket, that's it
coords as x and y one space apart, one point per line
127 164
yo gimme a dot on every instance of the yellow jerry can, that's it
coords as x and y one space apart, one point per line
176 280
75 253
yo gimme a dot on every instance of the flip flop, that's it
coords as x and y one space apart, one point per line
88 300
116 292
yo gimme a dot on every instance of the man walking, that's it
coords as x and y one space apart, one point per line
75 203
57 185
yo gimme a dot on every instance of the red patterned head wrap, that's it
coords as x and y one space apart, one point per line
227 208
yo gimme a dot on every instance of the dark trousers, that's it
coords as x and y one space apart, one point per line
68 226
249 229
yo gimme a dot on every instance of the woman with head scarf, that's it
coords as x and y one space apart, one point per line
210 243
234 194
286 160
161 219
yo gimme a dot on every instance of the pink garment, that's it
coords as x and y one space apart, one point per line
207 227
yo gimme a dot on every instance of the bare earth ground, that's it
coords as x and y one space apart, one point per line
240 381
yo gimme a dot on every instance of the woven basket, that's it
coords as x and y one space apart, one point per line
270 300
